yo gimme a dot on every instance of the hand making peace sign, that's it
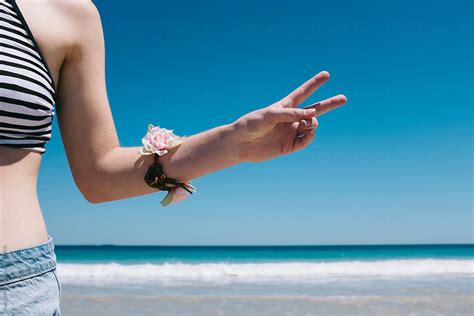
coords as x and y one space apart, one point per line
283 128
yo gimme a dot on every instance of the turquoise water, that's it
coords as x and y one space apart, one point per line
199 254
290 280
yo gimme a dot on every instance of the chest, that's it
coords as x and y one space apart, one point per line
43 31
27 87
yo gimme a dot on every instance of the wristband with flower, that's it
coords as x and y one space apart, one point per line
157 142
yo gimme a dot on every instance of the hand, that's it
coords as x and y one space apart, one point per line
282 128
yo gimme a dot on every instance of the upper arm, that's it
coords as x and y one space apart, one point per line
83 111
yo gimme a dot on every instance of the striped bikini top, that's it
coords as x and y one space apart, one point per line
27 94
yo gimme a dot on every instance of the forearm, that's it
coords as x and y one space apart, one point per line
119 174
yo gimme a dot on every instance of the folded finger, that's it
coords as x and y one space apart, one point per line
303 141
306 124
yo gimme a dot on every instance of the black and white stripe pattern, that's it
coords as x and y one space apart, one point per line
27 95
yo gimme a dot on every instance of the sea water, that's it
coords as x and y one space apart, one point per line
267 280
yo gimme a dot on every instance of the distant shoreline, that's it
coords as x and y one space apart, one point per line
272 246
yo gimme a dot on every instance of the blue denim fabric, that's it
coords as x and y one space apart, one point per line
28 281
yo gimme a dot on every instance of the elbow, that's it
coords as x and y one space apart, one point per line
89 188
92 198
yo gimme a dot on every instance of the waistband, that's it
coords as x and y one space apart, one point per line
27 263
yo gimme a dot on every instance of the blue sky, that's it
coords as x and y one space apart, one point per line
392 166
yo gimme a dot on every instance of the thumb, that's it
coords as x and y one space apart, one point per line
279 115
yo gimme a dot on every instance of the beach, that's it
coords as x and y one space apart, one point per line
314 280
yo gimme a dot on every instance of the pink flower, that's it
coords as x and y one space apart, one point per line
159 140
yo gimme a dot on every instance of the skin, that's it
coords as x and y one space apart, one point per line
70 36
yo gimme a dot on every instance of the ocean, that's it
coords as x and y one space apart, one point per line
267 280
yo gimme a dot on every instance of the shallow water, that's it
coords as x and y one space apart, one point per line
371 297
349 280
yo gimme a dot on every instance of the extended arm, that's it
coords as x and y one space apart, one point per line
105 171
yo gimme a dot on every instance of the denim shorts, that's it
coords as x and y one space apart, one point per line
28 281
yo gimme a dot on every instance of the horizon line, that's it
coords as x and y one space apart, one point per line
262 245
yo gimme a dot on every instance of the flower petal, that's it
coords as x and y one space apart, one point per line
168 199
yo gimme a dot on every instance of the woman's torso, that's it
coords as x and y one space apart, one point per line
21 220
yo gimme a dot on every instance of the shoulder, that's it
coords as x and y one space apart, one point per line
83 23
79 13
77 10
68 23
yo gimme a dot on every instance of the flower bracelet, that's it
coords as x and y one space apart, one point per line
157 142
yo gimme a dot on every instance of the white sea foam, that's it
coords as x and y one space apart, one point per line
294 272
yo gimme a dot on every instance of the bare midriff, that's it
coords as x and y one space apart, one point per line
21 220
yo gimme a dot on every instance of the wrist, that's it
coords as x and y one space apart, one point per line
203 153
233 142
158 142
243 141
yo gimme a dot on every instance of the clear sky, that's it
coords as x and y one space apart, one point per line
392 166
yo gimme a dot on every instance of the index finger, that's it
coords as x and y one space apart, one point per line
304 91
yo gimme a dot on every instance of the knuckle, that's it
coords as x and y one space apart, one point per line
268 113
297 112
291 112
286 102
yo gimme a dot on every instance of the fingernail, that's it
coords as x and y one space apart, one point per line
306 123
309 111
